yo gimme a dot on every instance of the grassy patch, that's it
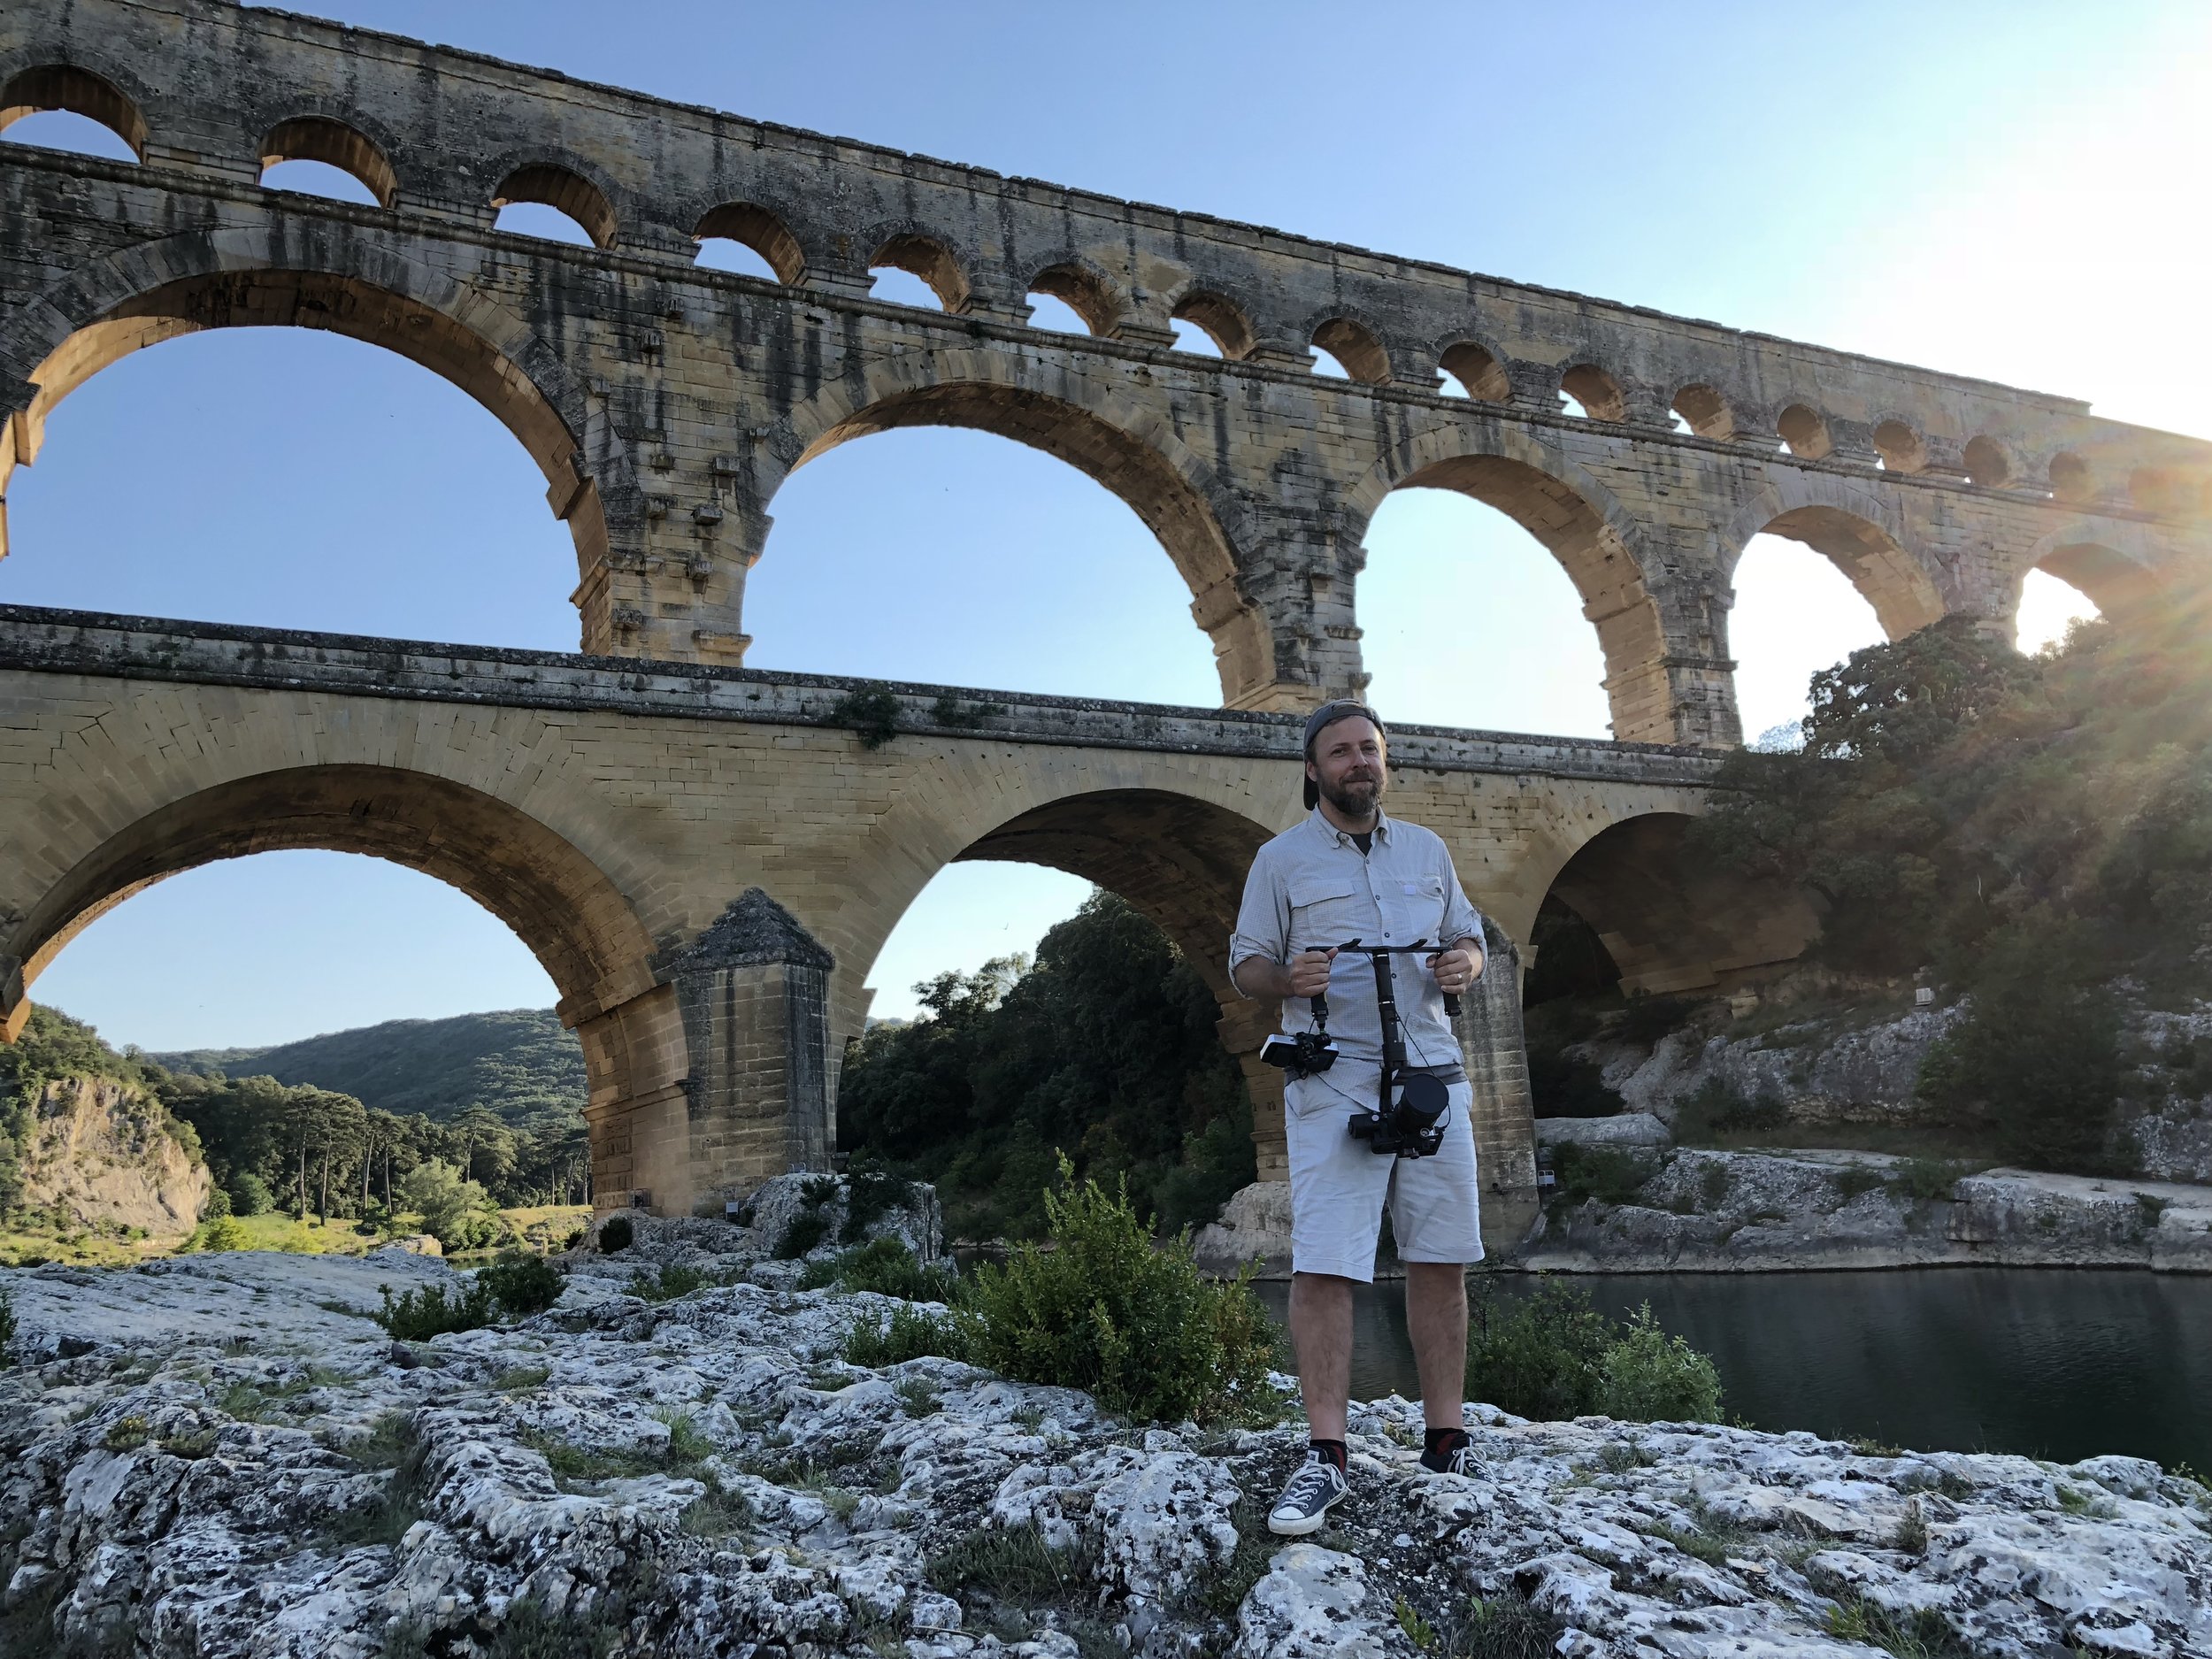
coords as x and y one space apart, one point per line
1502 1627
1923 1634
1220 1589
521 1378
1013 1563
670 1282
391 1444
908 1333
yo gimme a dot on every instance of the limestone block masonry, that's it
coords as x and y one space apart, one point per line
666 404
707 860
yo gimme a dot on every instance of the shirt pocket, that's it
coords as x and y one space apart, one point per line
1324 911
1415 907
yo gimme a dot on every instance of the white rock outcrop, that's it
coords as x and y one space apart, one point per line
223 1457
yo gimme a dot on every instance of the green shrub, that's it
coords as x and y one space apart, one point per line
1503 1626
887 1267
670 1282
523 1284
1612 1175
1925 1178
872 710
1551 1356
807 1229
428 1311
218 1232
908 1333
1854 1179
1139 1327
1649 1377
1537 1357
615 1235
872 1192
454 1211
250 1194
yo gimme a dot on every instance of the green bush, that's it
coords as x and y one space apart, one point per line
1925 1178
250 1194
1646 1377
1551 1356
218 1232
1137 1326
887 1267
1612 1175
523 1284
454 1211
806 1230
908 1333
429 1310
670 1282
615 1235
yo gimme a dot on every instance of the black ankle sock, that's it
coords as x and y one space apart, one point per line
1445 1440
1333 1451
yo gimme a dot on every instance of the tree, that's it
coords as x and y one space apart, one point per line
452 1209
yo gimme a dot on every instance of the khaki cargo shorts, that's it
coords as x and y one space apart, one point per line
1337 1188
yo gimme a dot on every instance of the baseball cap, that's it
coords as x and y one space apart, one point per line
1327 716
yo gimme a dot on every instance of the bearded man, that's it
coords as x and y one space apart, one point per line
1347 871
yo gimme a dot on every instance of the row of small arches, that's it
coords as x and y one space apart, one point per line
320 155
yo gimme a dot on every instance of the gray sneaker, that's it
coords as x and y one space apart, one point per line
1318 1486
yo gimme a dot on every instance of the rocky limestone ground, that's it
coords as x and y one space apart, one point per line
221 1455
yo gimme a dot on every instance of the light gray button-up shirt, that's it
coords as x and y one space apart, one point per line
1311 887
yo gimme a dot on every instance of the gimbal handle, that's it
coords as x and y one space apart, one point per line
1419 947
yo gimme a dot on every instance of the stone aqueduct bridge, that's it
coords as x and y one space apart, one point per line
613 816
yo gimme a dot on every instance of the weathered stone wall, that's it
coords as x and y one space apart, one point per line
666 404
706 861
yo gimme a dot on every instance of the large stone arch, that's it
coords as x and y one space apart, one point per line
1176 841
316 273
1595 539
1671 921
1130 450
570 912
1861 531
2118 566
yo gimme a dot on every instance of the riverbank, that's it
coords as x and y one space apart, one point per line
1790 1210
221 1455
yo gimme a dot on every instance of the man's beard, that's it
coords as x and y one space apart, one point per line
1355 797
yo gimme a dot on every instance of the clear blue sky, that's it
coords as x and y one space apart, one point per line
2012 190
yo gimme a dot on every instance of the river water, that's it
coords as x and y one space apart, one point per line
2056 1362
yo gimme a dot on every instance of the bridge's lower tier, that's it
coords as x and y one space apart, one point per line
708 861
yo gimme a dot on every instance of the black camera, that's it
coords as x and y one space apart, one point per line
1308 1053
1413 1126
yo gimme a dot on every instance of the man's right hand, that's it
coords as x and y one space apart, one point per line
1310 973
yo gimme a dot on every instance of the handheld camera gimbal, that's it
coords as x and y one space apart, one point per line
1407 1121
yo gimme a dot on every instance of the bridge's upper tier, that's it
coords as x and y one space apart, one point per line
210 87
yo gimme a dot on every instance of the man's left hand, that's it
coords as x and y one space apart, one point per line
1455 968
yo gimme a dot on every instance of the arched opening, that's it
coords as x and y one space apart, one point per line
1669 923
1987 462
1798 611
554 202
2049 606
578 936
915 555
2072 481
911 269
748 238
1067 299
2076 578
316 156
1587 391
1466 619
1804 433
1598 564
1166 488
1343 349
1203 321
421 476
1109 1032
1705 411
73 109
1476 374
1634 914
1899 447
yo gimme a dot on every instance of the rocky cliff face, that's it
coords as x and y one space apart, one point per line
212 1458
1783 1212
104 1153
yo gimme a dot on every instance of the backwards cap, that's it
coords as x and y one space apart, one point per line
1327 716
